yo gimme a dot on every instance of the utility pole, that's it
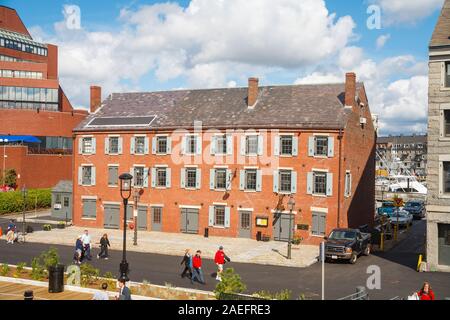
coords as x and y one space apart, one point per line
24 195
322 258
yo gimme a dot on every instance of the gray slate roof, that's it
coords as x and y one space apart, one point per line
63 186
403 139
296 106
441 32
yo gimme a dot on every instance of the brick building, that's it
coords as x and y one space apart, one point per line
438 176
32 103
230 159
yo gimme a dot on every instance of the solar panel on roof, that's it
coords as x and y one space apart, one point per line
122 121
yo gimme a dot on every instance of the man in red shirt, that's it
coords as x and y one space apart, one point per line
219 259
197 272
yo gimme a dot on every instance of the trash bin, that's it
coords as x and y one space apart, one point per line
56 279
206 232
28 295
259 236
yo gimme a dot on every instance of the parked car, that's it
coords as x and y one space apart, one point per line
347 244
416 208
386 207
402 217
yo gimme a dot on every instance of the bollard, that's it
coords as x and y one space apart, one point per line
28 295
1 232
419 262
395 232
361 293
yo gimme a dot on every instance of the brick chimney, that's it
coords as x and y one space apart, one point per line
96 98
350 89
252 91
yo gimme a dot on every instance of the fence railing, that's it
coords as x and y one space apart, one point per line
360 294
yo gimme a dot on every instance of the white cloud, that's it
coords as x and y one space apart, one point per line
381 40
407 11
319 78
208 44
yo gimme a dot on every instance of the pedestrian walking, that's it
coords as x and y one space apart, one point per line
11 232
86 238
104 244
101 295
197 272
426 293
78 256
124 291
220 259
187 261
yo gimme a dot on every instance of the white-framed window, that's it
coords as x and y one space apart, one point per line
251 180
320 183
190 178
286 145
161 177
251 145
113 145
161 145
89 208
445 177
285 181
220 179
446 80
191 145
319 223
445 121
321 146
87 145
221 145
139 145
138 176
219 216
86 175
348 184
113 176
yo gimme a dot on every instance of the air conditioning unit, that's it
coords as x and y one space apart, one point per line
363 120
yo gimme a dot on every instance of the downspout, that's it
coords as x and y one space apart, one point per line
340 136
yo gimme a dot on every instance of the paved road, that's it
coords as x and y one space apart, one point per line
399 277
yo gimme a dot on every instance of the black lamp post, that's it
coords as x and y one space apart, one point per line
291 205
24 195
125 193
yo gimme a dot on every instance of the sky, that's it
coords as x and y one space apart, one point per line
154 45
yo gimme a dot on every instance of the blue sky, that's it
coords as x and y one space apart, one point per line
139 45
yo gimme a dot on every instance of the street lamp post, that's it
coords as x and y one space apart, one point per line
4 141
291 205
125 193
24 195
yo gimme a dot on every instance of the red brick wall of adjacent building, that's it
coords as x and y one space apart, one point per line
261 202
36 171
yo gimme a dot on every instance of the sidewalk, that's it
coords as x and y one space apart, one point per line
239 250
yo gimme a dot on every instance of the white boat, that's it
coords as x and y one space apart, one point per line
406 184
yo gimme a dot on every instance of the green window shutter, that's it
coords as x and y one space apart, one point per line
213 145
132 143
211 216
153 177
329 184
106 145
331 147
93 176
94 145
183 178
230 146
276 146
146 178
294 182
212 178
168 178
311 146
169 145
154 141
198 181
275 181
242 180
120 145
309 183
295 146
227 217
259 180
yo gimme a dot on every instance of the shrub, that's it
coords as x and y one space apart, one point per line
20 267
47 227
49 258
110 280
282 295
37 269
11 202
4 270
231 283
89 274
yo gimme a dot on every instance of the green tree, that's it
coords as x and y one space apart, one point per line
231 283
10 178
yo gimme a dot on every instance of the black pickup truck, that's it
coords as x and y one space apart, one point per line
347 244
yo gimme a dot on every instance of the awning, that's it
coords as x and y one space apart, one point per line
29 139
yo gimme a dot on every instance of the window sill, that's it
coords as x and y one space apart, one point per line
111 186
161 154
112 154
320 195
286 192
286 156
444 196
161 188
317 236
218 227
191 189
87 185
445 88
251 191
138 154
321 157
89 219
445 139
220 190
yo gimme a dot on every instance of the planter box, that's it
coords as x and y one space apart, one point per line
61 226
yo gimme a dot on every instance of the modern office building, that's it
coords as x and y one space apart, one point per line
272 161
36 117
438 177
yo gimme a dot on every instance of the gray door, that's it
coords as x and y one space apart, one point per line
281 223
189 221
142 218
67 207
156 218
245 224
444 244
112 217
